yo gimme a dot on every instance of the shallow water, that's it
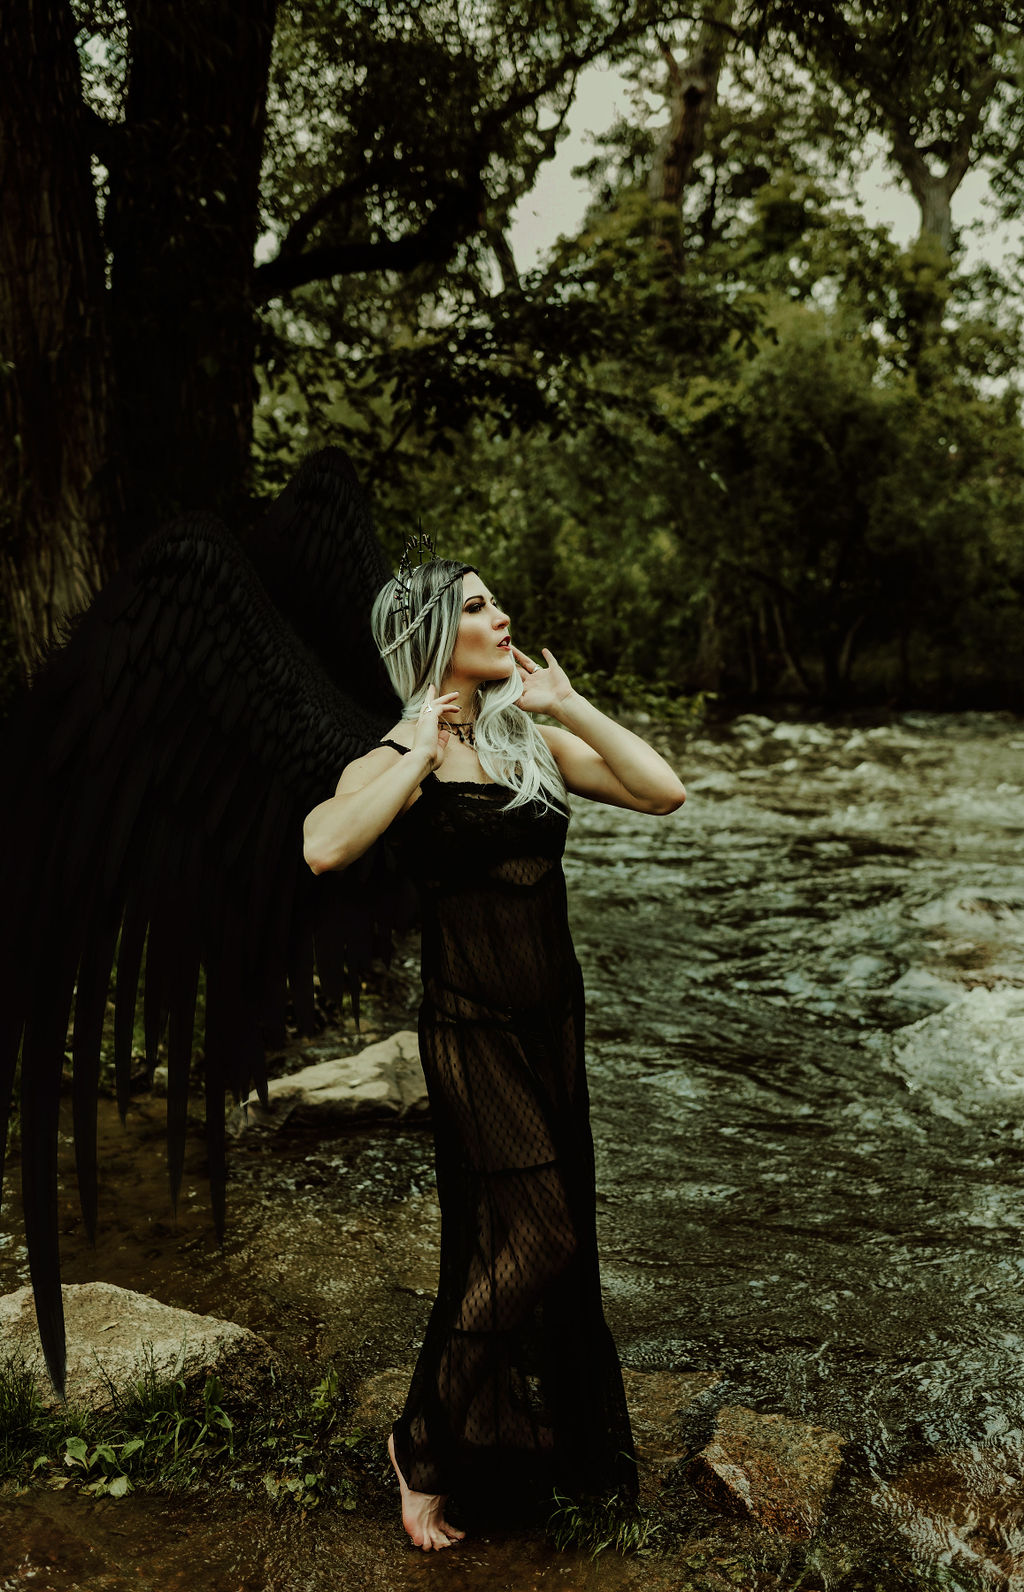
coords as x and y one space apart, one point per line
806 1053
807 992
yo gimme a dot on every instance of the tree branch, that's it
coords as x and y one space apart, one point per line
501 248
960 159
457 215
461 209
694 89
297 236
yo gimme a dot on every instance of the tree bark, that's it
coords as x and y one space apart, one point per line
181 228
693 88
58 478
788 651
934 190
707 666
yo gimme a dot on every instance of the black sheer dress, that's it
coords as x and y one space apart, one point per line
518 1386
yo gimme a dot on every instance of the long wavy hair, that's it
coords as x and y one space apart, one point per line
417 643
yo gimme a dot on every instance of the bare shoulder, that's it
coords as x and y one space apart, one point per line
404 732
555 736
562 743
362 769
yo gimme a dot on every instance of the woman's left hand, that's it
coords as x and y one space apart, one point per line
543 689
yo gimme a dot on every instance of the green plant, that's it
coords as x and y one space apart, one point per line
19 1408
592 1525
625 693
167 1433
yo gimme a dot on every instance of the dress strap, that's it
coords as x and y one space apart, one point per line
430 775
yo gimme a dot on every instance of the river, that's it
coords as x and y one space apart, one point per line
806 1056
808 1032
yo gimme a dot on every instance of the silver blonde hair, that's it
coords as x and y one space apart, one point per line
415 626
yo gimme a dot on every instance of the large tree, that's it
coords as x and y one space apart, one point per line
939 83
145 148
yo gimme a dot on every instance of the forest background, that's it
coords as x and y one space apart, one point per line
726 437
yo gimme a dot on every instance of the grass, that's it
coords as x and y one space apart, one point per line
163 1434
593 1525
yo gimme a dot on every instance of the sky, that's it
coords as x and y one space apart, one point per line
558 200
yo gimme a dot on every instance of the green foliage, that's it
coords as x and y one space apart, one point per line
750 448
413 340
166 1434
594 1525
19 1408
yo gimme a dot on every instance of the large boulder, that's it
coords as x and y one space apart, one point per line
115 1337
384 1080
769 1469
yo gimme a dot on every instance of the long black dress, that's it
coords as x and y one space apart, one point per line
518 1386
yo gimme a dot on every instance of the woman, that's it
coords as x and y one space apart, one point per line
518 1386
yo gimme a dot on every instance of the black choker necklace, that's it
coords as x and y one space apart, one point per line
463 731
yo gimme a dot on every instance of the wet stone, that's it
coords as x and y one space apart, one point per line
114 1337
383 1081
964 1508
770 1469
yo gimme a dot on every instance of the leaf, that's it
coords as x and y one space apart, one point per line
75 1452
119 1486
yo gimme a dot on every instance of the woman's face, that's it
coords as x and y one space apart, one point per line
483 650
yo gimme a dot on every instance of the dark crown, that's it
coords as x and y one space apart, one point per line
419 550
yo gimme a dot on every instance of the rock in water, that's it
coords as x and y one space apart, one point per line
384 1080
114 1336
769 1468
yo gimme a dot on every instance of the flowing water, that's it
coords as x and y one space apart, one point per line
807 998
806 1052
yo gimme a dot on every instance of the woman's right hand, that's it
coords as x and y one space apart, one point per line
432 733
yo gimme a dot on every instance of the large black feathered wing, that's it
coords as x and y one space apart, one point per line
156 784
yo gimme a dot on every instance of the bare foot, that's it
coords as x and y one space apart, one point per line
423 1513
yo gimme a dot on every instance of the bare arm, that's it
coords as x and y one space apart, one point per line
373 790
597 757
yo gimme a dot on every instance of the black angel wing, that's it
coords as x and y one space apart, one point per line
317 554
153 798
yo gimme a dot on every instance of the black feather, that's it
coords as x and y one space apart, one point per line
157 778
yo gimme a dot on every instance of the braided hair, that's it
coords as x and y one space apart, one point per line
415 622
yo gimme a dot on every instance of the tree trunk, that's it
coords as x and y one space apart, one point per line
693 88
934 190
181 226
849 650
753 672
788 651
58 482
707 666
